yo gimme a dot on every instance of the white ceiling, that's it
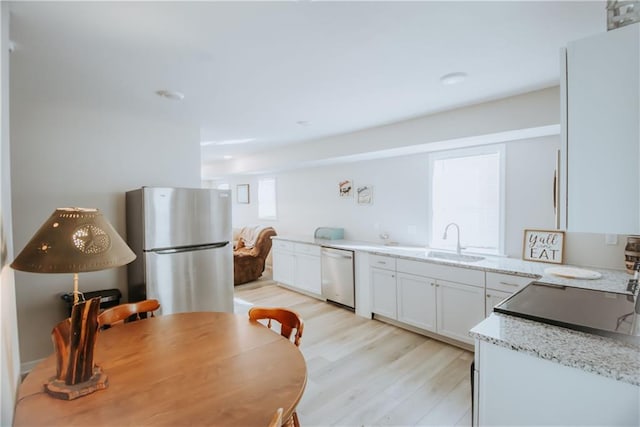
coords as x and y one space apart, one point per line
257 69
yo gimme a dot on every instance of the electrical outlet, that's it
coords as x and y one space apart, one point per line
611 239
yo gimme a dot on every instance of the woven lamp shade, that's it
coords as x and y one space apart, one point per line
74 240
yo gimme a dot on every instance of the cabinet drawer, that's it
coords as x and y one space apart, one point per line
307 249
282 245
507 282
381 261
443 272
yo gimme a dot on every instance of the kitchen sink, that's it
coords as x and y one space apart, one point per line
454 257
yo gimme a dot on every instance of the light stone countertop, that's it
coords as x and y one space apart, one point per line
611 280
592 353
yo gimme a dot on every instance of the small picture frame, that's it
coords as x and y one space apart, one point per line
543 246
364 195
242 193
345 188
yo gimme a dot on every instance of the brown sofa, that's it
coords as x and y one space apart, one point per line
248 263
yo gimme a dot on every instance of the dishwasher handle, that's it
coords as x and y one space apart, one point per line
336 254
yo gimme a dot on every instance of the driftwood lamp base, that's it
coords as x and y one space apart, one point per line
60 390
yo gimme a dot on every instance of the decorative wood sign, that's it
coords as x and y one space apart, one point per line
543 246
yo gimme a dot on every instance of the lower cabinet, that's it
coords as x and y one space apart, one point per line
383 292
494 298
433 304
297 265
417 301
500 286
460 308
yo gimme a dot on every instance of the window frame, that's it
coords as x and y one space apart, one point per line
501 150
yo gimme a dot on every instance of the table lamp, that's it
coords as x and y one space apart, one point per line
75 240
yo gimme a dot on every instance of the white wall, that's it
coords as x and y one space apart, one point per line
9 354
308 198
63 156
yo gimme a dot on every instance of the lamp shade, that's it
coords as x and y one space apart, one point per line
74 240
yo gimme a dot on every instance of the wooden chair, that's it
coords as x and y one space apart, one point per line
276 421
120 313
289 320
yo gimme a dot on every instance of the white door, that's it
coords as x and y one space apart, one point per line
417 301
307 275
283 267
460 308
383 292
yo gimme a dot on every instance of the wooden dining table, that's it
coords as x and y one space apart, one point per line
181 369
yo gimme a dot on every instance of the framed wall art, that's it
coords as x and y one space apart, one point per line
242 193
364 195
543 246
345 188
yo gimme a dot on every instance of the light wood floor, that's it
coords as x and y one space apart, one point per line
365 372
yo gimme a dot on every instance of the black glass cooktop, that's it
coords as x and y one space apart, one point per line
588 310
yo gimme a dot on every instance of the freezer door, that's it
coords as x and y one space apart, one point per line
200 280
175 217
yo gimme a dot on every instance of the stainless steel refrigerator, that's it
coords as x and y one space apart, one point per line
181 237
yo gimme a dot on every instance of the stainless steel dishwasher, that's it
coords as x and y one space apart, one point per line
337 277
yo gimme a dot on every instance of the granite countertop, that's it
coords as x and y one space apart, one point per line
611 280
592 353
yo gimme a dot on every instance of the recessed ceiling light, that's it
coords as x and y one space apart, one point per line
453 78
170 94
303 123
228 141
227 157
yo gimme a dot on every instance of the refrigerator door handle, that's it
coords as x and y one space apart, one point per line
177 250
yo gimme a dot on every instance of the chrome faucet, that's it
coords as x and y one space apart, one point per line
444 236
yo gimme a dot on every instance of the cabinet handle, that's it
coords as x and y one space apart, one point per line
509 284
432 284
382 262
488 295
393 275
437 286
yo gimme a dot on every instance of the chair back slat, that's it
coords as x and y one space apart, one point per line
289 321
120 313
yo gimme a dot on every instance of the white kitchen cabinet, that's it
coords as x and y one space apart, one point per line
493 298
383 292
308 271
460 308
601 132
514 388
298 266
417 301
500 286
283 262
447 300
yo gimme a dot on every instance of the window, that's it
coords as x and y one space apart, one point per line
467 188
267 198
223 186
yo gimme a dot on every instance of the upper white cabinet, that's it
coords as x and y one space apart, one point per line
601 128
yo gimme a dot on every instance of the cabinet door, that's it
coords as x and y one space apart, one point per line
603 132
492 299
383 292
460 308
417 301
283 267
307 273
